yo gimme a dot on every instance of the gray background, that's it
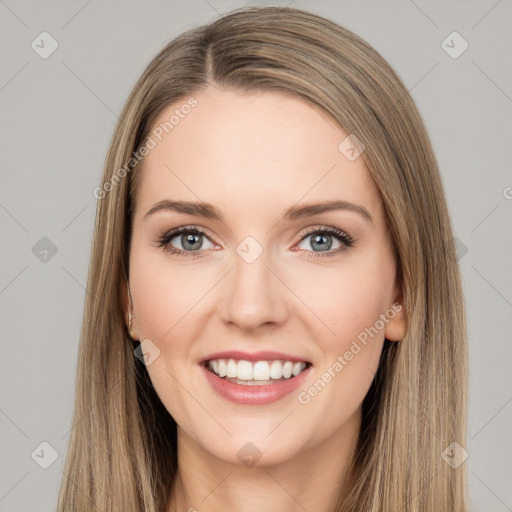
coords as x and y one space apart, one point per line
58 115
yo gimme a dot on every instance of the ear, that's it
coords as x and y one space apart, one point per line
125 301
396 327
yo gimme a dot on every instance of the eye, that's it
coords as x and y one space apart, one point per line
321 241
189 240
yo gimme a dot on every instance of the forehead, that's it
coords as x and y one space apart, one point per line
254 152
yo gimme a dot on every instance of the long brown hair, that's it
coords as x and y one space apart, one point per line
122 453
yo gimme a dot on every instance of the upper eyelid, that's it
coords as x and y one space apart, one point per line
312 229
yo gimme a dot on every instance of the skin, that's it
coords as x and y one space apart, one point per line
253 156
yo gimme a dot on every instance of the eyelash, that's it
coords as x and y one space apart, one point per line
341 236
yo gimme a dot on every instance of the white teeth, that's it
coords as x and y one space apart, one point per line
297 368
244 370
255 371
276 370
287 369
261 371
231 369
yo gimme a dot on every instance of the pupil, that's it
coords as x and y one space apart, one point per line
321 239
190 239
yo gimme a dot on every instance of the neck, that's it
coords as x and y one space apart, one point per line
311 480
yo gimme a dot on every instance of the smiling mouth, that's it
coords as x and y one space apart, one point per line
255 373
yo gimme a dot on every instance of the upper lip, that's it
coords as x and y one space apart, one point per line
264 355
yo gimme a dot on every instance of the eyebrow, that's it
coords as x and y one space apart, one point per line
201 209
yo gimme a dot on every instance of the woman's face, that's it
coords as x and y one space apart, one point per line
256 278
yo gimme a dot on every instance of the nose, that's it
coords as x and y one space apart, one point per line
253 295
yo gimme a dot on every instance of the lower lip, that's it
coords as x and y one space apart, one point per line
254 395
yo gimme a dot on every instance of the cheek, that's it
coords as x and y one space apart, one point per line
167 300
345 300
347 327
164 294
